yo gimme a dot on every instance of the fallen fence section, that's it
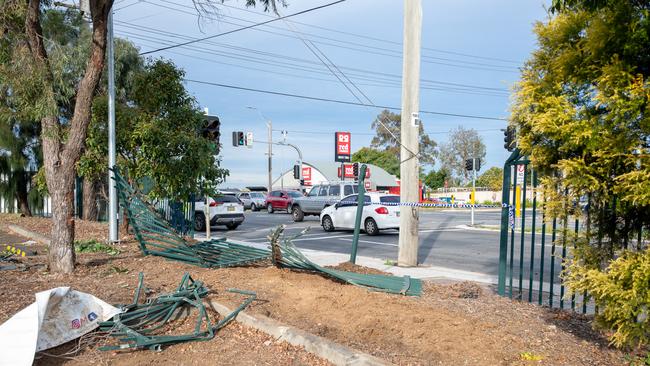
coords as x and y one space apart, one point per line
157 237
285 254
140 323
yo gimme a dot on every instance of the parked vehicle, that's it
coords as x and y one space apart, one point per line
281 200
380 211
319 197
252 200
225 210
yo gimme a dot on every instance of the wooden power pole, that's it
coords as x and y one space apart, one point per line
410 133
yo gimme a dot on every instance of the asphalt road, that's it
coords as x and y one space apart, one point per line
443 240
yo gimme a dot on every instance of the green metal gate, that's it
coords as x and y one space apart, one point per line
533 246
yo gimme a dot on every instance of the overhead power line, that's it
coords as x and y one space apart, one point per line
385 79
243 28
461 54
338 101
354 46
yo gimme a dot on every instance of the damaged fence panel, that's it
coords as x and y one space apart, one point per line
285 254
157 237
140 323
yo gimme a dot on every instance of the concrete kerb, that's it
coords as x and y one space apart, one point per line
324 348
28 234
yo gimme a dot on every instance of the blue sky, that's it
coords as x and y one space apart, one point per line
362 38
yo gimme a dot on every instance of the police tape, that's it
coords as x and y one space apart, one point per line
408 204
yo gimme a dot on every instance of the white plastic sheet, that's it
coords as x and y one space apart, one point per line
58 316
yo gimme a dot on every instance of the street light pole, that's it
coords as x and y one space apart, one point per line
112 191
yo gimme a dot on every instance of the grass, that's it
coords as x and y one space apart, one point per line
94 246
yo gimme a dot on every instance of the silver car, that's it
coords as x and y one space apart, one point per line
254 201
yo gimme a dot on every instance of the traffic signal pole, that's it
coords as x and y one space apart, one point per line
409 134
473 188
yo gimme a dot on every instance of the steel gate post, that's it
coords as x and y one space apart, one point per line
503 240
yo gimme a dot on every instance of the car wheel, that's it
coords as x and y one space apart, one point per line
232 226
371 227
269 208
199 222
298 215
289 210
254 207
327 223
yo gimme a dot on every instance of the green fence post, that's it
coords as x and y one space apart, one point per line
541 255
503 241
532 238
523 232
552 274
360 205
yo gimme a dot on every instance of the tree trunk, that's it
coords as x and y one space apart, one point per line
62 149
90 211
21 193
61 254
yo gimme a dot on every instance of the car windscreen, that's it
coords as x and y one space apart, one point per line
294 194
389 199
226 198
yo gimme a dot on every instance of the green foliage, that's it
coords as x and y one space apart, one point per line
94 246
581 114
622 292
462 145
491 178
387 125
158 135
436 179
384 159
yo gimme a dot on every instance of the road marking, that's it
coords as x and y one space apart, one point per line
434 230
370 242
323 237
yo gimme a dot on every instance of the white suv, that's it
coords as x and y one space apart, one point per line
225 210
380 211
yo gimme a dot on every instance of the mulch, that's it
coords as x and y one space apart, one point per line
450 324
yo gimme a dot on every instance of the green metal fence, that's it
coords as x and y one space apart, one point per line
533 245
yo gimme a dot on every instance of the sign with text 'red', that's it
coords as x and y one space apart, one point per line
349 171
342 146
306 175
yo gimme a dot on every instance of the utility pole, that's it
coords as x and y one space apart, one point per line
112 192
409 167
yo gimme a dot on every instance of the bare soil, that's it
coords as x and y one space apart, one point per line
451 324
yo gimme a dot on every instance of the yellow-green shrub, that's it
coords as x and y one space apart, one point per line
622 293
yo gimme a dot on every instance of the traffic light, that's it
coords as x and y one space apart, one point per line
510 135
355 170
211 129
478 164
469 165
296 171
240 138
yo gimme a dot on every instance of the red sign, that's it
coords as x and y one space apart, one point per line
306 175
342 146
349 171
366 184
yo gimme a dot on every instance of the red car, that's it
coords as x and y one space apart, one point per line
281 200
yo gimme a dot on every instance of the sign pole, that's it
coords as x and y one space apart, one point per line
360 206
